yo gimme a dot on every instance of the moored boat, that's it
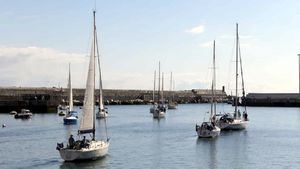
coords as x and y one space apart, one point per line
235 121
172 104
209 129
24 114
62 110
71 116
13 112
160 110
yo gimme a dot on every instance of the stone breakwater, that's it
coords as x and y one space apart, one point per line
44 99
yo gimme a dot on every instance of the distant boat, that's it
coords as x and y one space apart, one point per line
12 112
87 149
209 129
172 104
234 121
24 114
160 111
154 104
62 110
71 116
102 111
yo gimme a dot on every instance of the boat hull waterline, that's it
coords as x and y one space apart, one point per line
158 114
102 114
172 106
235 125
97 149
205 133
70 120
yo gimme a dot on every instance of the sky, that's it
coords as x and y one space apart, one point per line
39 38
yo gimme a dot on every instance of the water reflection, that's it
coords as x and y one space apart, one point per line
95 164
207 152
237 146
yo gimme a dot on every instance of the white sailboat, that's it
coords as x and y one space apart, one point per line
234 121
93 148
154 106
71 115
160 111
172 104
209 129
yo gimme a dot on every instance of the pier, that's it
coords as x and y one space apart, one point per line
44 99
273 99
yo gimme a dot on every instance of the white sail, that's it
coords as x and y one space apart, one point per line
87 120
70 90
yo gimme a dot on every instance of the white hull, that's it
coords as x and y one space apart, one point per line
97 149
62 110
158 114
102 114
172 106
205 133
237 124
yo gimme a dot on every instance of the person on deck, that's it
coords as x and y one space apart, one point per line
71 141
83 142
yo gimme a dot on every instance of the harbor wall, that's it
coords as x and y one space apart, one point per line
44 99
273 99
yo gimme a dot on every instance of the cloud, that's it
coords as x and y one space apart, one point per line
36 66
208 44
196 30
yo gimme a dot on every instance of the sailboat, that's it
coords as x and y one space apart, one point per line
172 104
160 111
209 129
87 149
154 106
234 121
102 111
71 116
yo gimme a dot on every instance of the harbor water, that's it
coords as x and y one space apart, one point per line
272 140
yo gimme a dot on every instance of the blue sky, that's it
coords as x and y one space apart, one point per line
39 38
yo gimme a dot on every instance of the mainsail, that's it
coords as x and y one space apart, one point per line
87 120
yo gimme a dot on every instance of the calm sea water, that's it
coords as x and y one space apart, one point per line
272 140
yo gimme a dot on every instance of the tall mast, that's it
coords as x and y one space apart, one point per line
171 85
154 87
101 106
171 81
213 86
162 88
70 90
236 69
159 94
243 83
215 81
94 54
101 103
